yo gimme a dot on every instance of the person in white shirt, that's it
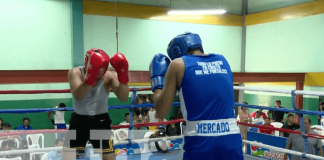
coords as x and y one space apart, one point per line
126 122
152 115
163 145
58 121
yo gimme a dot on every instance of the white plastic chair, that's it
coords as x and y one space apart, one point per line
17 142
34 143
44 156
321 132
16 158
147 135
181 128
277 125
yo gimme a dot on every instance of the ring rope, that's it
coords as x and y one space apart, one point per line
65 130
282 130
282 150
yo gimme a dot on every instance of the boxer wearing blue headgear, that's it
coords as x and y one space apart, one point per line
181 44
205 86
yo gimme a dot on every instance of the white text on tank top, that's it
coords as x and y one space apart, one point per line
94 103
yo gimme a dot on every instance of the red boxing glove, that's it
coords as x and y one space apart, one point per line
120 63
97 62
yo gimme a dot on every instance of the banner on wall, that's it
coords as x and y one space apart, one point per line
269 140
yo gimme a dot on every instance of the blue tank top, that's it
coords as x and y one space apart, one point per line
206 91
207 104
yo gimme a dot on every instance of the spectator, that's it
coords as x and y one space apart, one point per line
138 132
295 142
59 119
136 114
145 99
266 130
244 116
8 141
163 145
171 129
56 155
257 118
24 126
152 115
321 117
290 125
260 111
1 124
145 116
126 122
277 116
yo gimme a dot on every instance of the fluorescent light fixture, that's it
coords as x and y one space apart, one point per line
199 12
176 17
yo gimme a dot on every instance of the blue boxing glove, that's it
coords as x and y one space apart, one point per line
158 68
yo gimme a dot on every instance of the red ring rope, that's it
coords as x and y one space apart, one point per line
55 91
156 124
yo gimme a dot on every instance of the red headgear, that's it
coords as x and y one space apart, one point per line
95 50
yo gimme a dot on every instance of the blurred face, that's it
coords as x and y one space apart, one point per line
60 143
267 121
26 123
257 115
278 104
127 118
260 110
0 121
7 128
307 124
101 72
244 108
291 119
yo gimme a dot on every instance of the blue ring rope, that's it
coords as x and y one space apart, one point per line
131 108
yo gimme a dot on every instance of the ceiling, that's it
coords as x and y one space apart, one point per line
232 6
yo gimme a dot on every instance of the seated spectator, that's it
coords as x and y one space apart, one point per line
321 117
9 142
1 124
138 132
290 125
24 126
126 122
253 114
56 155
163 145
295 142
266 130
145 116
257 118
171 129
136 114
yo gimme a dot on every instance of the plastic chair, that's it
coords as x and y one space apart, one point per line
34 143
148 134
181 128
321 132
16 158
277 125
44 156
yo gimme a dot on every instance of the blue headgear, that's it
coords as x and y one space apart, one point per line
181 44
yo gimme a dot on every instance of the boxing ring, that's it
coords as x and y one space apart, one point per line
124 150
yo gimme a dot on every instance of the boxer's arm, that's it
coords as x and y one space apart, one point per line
121 90
163 99
78 88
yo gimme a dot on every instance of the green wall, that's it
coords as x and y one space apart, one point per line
36 35
294 45
140 39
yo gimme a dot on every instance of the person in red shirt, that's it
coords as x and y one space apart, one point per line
266 130
264 116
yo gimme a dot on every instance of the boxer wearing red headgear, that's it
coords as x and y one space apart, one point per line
90 85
